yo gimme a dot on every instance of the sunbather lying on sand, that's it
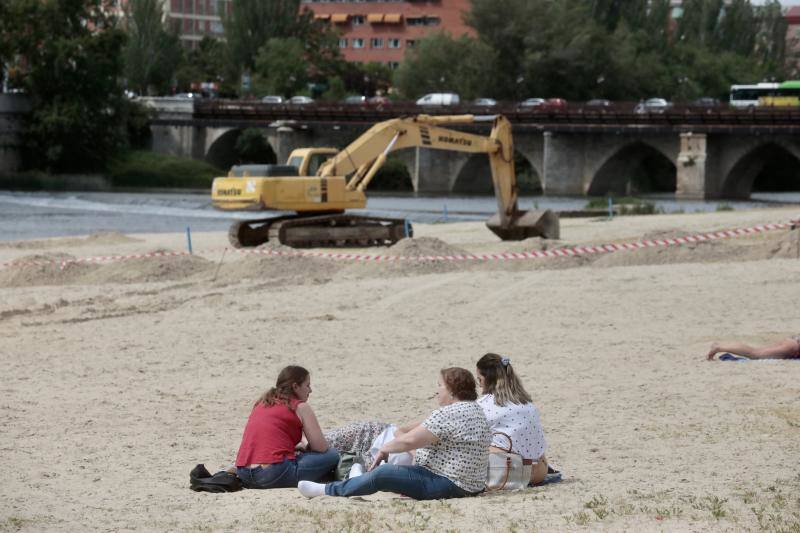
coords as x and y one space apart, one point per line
785 349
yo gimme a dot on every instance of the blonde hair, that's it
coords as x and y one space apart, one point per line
500 380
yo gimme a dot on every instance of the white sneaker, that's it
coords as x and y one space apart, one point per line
355 470
309 489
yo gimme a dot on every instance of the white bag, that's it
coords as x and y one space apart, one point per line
403 458
508 470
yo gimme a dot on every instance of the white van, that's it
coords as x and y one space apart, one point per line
439 99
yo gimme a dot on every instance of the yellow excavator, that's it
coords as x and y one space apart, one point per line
318 185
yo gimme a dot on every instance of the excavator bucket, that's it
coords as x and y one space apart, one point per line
524 224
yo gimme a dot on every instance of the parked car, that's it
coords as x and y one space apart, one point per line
355 100
301 100
487 102
707 101
272 99
598 102
556 103
439 99
532 102
378 100
652 105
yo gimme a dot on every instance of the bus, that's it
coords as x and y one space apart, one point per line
785 93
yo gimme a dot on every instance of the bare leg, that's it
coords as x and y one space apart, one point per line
784 349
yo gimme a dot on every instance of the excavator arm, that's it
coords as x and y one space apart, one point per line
362 159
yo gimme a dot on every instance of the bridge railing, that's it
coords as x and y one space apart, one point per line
623 113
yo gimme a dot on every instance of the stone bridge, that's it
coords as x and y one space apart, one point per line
693 152
13 110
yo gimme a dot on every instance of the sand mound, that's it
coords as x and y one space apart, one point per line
417 249
425 246
786 247
99 238
149 269
752 248
289 269
44 269
538 244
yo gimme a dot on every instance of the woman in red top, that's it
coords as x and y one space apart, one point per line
268 456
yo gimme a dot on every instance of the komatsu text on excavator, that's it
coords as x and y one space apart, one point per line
317 185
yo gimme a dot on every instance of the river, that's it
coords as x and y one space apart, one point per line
30 215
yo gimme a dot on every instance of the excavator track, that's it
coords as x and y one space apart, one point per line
330 231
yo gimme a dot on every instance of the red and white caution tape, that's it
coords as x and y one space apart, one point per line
506 256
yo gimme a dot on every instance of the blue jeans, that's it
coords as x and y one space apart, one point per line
414 481
308 466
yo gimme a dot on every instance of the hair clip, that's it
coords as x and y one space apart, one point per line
505 360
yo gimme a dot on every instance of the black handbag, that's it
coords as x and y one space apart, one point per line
201 480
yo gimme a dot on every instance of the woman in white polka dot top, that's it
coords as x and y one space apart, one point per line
510 410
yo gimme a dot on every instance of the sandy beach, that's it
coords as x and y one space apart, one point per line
120 376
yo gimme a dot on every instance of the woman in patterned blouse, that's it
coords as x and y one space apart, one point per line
452 451
510 410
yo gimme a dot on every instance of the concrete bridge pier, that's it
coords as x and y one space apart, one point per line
436 171
13 110
691 168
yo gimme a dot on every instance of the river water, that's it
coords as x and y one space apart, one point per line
25 215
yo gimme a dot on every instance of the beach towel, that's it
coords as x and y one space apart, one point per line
740 359
552 476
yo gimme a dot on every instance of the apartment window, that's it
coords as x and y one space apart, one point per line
410 43
357 20
358 43
376 42
393 65
394 43
342 43
216 27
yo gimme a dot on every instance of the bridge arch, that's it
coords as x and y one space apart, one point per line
222 151
394 175
770 166
634 168
475 175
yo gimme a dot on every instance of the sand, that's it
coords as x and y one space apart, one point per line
119 377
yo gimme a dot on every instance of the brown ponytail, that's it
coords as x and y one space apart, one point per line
499 379
282 392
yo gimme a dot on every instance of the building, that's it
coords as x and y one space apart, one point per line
195 19
382 32
191 19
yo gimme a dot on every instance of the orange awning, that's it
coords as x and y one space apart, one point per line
322 16
393 18
375 18
339 18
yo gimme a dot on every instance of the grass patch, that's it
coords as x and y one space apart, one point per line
36 180
625 205
150 169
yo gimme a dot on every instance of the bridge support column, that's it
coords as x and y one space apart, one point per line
563 164
439 170
691 167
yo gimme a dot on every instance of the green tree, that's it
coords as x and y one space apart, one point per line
208 63
252 23
281 67
151 53
69 59
252 147
336 90
439 63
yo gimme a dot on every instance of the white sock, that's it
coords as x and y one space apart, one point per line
355 470
309 489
